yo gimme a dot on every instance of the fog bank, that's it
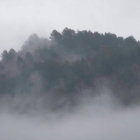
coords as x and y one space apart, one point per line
98 119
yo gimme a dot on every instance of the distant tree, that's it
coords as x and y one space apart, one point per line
8 56
55 35
12 54
19 60
33 39
4 55
130 42
68 33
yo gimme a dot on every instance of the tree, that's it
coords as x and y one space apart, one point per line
68 33
4 55
55 35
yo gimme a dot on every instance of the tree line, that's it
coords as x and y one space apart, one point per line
71 61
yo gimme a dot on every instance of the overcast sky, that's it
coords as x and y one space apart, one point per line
21 18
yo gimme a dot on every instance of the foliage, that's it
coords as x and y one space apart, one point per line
70 61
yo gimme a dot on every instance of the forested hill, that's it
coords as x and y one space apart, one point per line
67 63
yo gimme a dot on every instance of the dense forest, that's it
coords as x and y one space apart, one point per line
67 63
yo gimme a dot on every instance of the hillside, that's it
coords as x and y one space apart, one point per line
68 63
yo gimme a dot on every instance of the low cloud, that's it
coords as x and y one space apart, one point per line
98 118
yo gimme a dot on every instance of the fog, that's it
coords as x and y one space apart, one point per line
19 19
99 118
30 111
44 102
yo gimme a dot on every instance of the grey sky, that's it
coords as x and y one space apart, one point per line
21 18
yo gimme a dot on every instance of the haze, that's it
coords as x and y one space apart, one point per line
99 119
65 87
